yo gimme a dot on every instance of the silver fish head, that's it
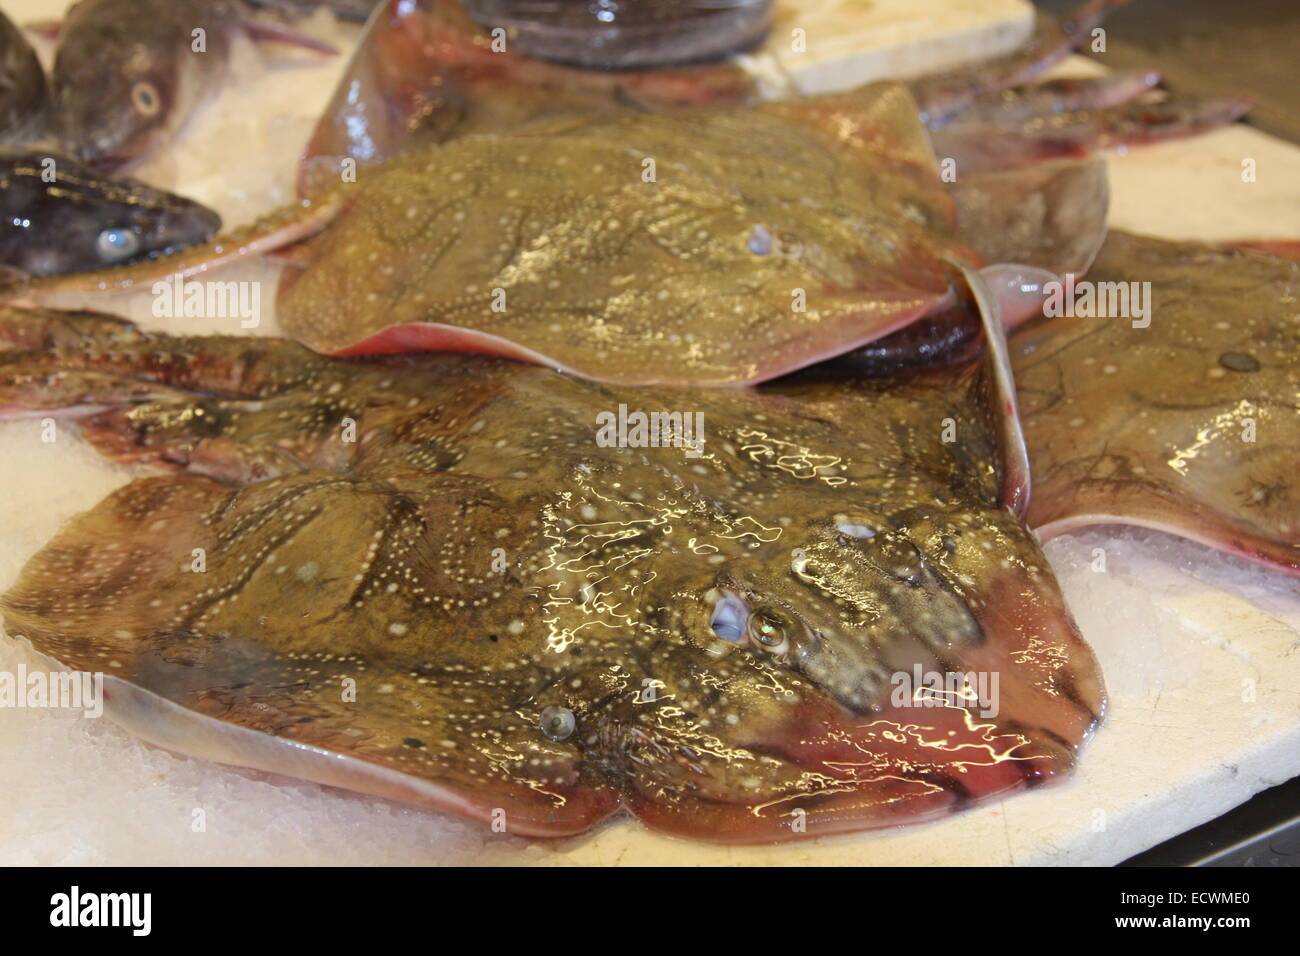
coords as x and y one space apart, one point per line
127 74
109 117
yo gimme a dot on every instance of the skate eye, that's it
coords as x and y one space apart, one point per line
770 631
144 96
558 723
114 245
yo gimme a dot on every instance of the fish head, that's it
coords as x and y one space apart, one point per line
888 668
121 220
856 599
110 116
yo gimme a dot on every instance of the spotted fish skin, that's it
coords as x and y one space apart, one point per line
762 239
836 516
1190 423
718 246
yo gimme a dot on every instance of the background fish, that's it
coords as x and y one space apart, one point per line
543 624
1188 422
764 239
128 73
685 277
24 94
423 74
58 216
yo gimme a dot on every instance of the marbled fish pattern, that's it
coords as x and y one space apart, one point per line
477 606
1189 424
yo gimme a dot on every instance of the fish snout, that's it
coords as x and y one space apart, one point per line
185 223
910 584
100 135
774 633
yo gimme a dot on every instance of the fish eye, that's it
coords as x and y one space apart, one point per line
770 631
114 245
557 723
144 96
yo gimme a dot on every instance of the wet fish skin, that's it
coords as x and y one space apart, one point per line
985 147
419 68
1051 215
126 74
24 93
1067 95
836 196
58 216
603 271
835 512
1189 424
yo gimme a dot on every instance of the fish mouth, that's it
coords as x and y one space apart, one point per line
185 223
104 149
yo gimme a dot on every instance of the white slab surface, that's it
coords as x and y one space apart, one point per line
1199 651
821 45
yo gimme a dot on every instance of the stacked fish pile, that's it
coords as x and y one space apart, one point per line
644 446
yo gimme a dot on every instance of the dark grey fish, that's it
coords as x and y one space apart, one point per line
57 216
128 73
24 94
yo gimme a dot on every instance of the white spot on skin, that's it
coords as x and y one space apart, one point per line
855 530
